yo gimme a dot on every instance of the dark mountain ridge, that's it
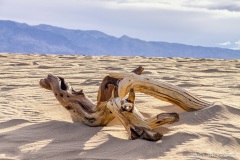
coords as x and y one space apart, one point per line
45 39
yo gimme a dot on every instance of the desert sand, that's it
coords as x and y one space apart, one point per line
33 125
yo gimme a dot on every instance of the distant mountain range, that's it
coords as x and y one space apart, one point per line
45 39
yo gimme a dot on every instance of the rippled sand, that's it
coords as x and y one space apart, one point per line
34 126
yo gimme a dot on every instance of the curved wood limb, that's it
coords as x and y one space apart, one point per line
159 90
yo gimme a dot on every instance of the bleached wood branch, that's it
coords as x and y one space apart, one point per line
159 90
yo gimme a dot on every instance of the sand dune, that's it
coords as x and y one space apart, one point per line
34 126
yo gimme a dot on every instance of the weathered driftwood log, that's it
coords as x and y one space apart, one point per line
80 106
111 102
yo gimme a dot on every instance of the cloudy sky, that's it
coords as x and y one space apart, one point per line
213 23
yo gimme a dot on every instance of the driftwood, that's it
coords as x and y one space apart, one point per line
111 102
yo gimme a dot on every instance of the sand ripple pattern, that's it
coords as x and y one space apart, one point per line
34 126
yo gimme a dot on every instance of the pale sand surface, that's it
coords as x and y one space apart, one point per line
34 126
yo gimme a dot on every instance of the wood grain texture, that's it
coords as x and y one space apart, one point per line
159 90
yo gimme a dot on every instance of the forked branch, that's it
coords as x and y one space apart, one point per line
111 102
135 123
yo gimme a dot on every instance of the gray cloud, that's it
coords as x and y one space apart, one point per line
229 5
226 7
